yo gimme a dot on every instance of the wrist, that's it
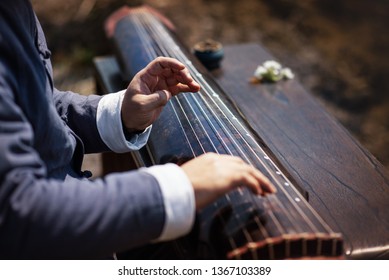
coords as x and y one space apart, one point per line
129 132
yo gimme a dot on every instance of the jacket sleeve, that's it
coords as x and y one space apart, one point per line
79 113
46 218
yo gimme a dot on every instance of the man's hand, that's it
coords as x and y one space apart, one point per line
212 175
151 89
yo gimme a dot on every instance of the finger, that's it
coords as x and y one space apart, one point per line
261 185
181 88
183 78
252 183
156 100
180 74
159 65
191 87
183 75
178 78
266 185
171 82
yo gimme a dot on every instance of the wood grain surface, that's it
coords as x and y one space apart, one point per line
346 185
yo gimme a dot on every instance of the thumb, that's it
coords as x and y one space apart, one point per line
157 99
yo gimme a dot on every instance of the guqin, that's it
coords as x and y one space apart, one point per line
239 225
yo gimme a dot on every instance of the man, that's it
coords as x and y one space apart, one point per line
48 208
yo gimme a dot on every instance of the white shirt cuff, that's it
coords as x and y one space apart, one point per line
109 125
179 201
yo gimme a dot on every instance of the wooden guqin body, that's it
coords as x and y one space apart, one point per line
240 225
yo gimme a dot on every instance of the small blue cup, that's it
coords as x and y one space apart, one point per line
210 53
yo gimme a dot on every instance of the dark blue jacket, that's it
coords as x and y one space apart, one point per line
47 208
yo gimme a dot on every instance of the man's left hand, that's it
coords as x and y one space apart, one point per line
151 89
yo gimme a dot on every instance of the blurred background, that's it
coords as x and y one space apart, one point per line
337 48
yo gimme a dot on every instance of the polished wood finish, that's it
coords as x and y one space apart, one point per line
346 185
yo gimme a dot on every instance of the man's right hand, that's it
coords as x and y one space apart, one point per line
213 175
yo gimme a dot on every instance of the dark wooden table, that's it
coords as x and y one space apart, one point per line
346 185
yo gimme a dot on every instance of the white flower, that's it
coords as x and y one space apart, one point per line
259 72
287 73
272 71
271 64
